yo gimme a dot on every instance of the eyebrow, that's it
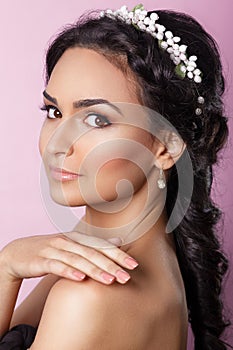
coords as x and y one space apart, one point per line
85 103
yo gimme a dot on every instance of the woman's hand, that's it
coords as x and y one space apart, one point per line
57 254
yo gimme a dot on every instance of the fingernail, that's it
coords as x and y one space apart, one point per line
79 275
131 262
123 276
106 277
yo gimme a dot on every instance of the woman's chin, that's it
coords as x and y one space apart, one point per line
66 199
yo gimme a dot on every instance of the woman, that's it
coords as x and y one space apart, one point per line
113 76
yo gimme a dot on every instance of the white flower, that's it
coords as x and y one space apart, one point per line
172 56
130 14
190 75
192 58
183 48
192 63
154 16
176 52
176 39
152 27
190 68
170 50
197 79
197 72
183 69
176 60
146 20
175 46
141 25
168 34
159 36
164 45
183 57
141 17
170 43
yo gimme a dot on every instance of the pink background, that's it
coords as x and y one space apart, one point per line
25 28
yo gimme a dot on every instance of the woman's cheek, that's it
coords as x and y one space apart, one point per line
116 166
109 184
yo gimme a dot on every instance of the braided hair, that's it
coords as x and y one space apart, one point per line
201 261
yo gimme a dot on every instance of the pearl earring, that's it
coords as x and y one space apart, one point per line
161 183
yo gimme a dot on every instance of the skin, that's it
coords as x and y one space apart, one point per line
150 311
54 256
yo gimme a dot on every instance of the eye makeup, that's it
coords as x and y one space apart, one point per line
88 102
48 108
93 119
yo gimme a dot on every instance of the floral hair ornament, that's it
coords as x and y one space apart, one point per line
185 66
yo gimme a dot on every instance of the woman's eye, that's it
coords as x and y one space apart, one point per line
53 112
97 120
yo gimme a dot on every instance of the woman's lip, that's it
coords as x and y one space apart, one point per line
62 174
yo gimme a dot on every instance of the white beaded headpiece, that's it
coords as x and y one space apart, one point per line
185 66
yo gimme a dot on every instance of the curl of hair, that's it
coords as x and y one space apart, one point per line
202 263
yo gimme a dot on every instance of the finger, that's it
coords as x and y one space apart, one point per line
120 257
67 264
61 269
94 261
89 261
103 246
117 241
89 241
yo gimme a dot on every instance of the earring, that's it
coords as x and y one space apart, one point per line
161 183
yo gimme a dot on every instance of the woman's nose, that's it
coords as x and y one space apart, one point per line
63 139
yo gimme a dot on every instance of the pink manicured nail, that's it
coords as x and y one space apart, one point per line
108 278
123 276
79 275
131 262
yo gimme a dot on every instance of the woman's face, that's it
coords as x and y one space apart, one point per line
97 141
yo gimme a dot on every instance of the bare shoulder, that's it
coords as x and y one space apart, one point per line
30 310
71 317
88 312
130 316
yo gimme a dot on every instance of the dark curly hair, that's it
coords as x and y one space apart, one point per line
202 263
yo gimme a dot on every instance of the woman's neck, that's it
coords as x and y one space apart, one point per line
143 219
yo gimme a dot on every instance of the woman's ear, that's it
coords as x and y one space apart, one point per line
168 150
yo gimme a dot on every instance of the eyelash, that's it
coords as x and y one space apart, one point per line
48 107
